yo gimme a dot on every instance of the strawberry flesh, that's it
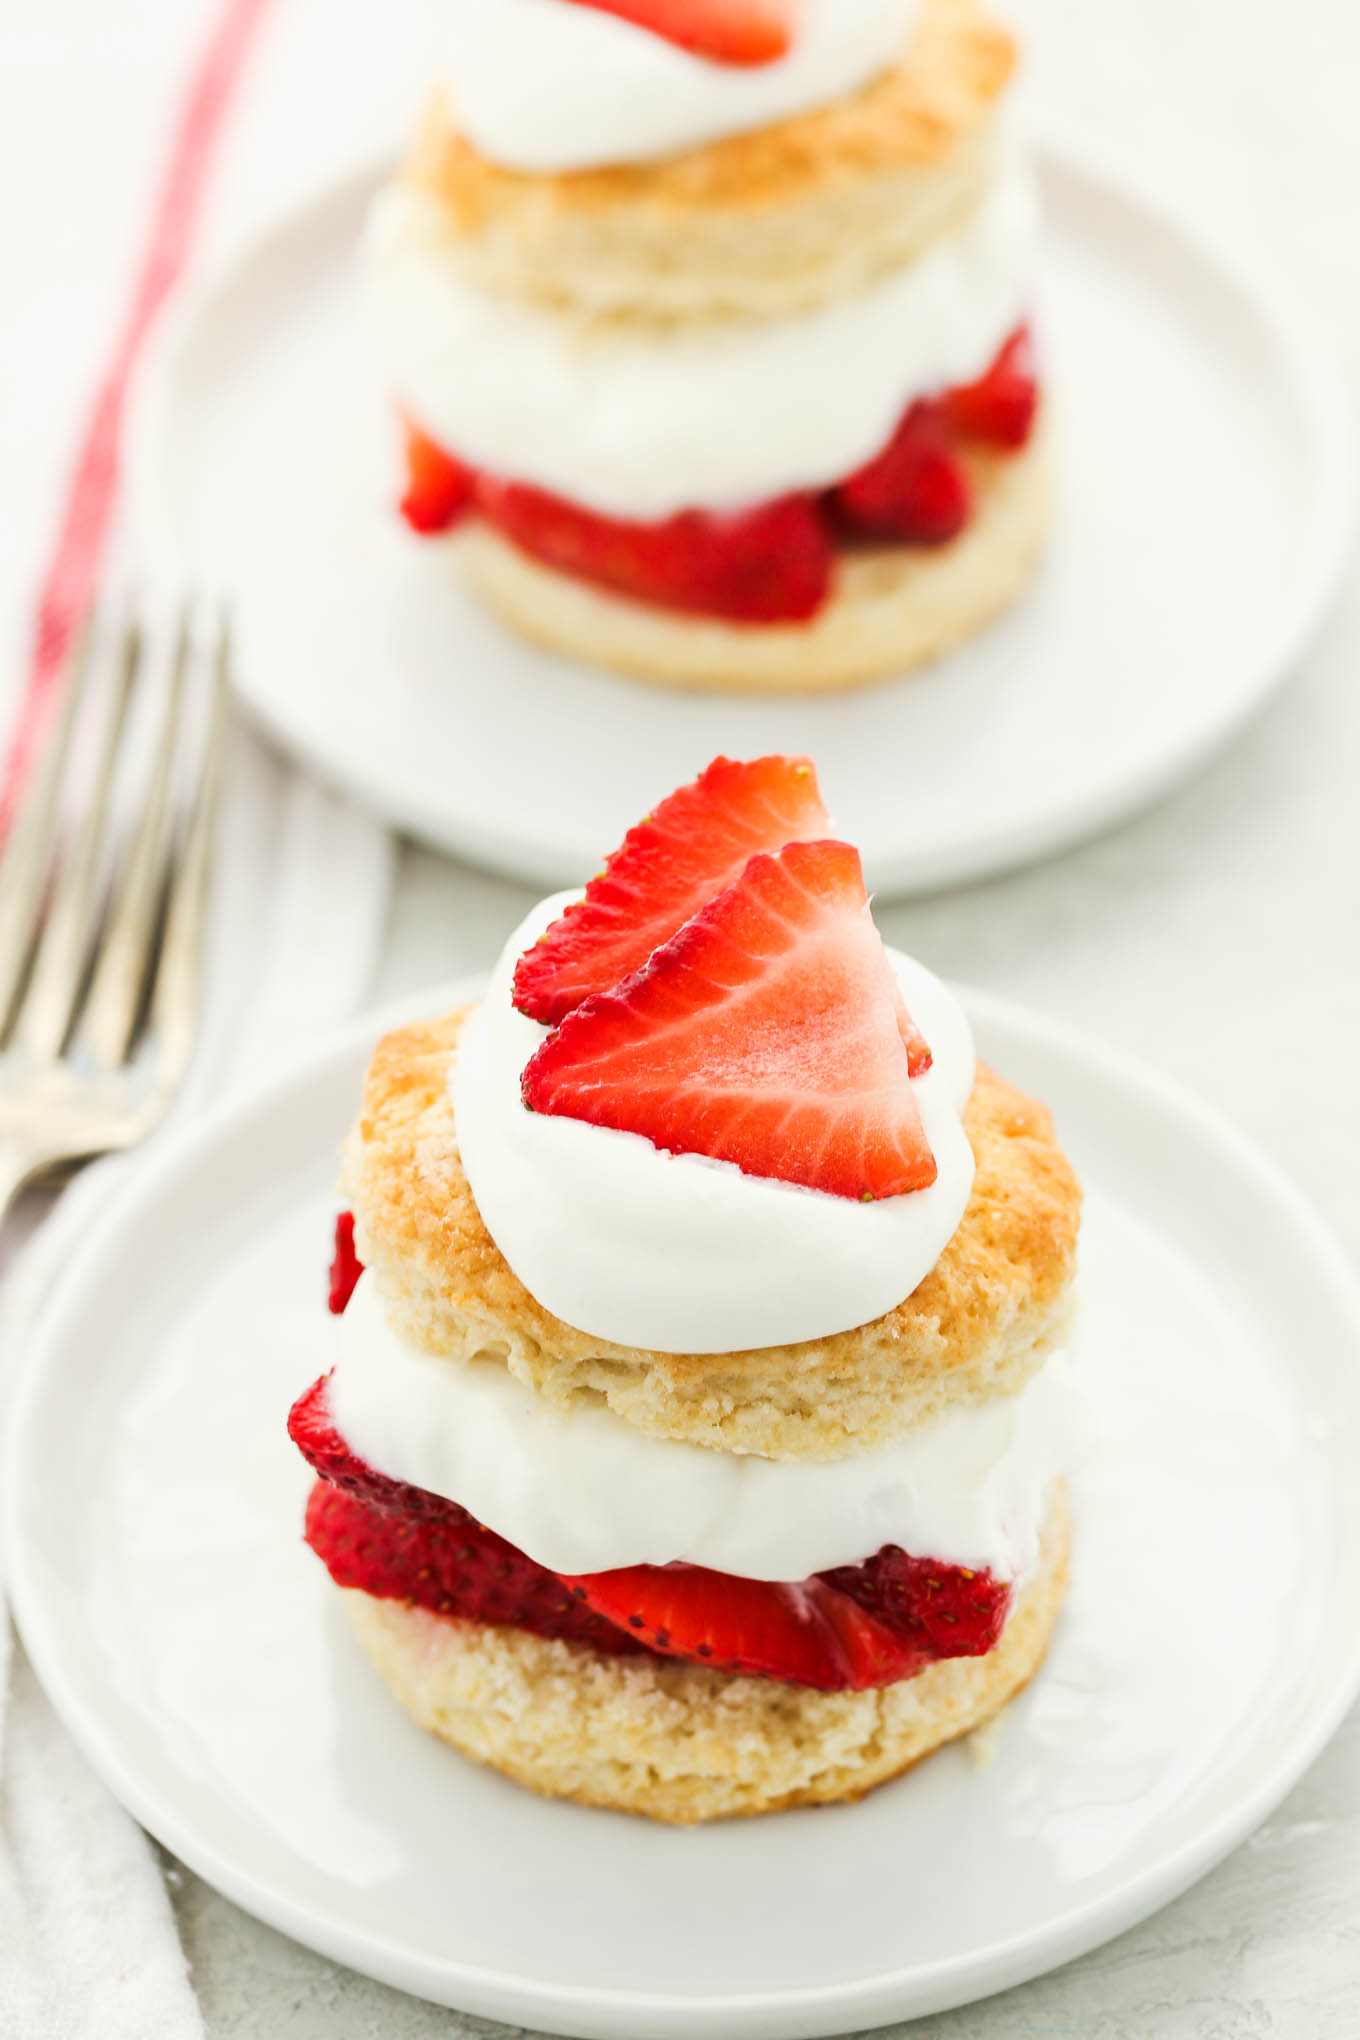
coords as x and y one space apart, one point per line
765 1033
743 32
941 1611
439 489
696 842
915 492
804 1635
769 564
1000 407
856 1627
312 1429
451 1566
346 1267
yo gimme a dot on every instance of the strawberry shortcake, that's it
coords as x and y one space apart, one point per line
708 324
696 1435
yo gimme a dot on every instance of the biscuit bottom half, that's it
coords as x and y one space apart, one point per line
892 609
678 1742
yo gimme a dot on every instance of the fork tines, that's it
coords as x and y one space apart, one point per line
103 878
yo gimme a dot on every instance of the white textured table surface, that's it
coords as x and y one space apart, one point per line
1218 937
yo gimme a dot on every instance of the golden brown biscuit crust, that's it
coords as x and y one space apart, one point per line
980 1323
676 1742
762 225
948 82
893 609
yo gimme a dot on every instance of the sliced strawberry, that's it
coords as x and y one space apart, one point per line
856 1627
725 31
999 408
771 564
439 489
764 1033
939 1610
312 1429
346 1267
919 1057
732 1625
691 846
915 491
453 1567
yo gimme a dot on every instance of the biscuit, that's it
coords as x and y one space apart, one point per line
891 610
676 1741
980 1324
762 223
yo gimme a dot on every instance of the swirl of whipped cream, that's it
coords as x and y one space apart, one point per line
547 85
714 418
678 1253
589 1492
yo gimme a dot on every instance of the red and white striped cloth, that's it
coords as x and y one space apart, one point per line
279 94
81 541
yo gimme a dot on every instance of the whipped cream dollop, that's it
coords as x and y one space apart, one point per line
546 85
679 1253
587 1492
717 416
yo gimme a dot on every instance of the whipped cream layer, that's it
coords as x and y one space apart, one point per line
588 1492
546 85
678 1253
718 416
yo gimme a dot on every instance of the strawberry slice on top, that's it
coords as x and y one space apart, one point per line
692 845
765 1033
724 31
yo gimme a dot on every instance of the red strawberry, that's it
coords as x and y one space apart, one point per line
770 564
727 31
439 489
914 491
758 1627
919 1057
691 846
856 1627
940 1610
999 408
764 1033
346 1267
312 1429
453 1567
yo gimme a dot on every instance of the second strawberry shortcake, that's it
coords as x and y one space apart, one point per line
696 1438
708 321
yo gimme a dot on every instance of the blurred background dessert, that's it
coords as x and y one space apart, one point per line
714 361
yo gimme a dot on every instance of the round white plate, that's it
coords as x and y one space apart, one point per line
198 1654
1201 527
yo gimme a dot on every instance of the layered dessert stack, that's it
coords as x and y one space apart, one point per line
696 1436
708 322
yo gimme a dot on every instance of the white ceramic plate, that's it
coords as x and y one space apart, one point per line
196 1651
1201 528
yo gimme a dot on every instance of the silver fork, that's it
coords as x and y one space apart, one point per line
101 929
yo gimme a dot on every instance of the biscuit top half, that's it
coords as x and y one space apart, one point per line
762 223
979 1325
